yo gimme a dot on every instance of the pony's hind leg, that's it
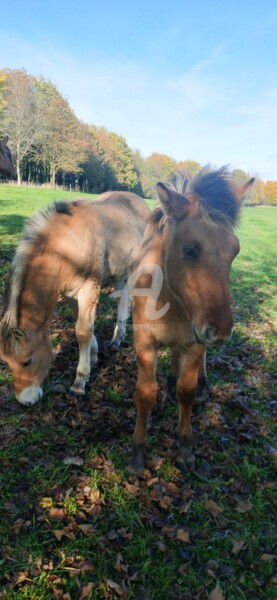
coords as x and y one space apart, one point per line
123 311
88 347
170 392
202 386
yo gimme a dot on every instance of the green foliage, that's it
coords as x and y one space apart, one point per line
50 144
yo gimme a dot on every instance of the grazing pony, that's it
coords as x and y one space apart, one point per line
7 167
181 297
73 248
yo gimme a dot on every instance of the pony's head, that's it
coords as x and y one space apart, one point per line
28 355
199 246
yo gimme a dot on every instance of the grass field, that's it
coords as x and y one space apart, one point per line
75 525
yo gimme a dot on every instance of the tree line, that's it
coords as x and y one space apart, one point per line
52 146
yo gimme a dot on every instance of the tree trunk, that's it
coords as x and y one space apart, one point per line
53 178
18 173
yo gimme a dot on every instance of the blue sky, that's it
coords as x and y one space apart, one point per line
193 80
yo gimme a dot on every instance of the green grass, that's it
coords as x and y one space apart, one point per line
87 529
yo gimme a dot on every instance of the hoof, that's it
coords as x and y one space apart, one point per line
136 464
186 463
77 391
114 346
202 392
185 458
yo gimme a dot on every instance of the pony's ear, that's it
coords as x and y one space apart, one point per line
174 204
241 191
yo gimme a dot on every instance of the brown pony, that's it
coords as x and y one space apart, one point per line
74 249
181 297
7 167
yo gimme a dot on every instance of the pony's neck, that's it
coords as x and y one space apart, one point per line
39 293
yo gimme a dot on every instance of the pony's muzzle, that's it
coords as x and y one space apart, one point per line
30 396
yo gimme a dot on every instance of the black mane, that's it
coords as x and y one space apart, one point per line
214 189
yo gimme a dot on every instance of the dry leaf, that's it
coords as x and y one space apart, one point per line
46 502
213 508
184 509
73 460
171 487
244 506
94 496
183 536
18 525
120 566
216 593
152 481
115 589
66 532
87 528
86 590
58 514
237 546
267 557
165 502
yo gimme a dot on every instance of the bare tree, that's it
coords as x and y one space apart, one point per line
22 114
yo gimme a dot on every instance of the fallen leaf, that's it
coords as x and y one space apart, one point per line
171 487
184 508
73 460
87 528
216 593
243 506
265 557
237 546
94 496
213 508
165 502
18 525
120 566
116 589
46 502
183 536
58 514
152 481
66 532
161 546
86 589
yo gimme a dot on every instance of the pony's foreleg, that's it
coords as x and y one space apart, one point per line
123 311
144 397
88 347
186 388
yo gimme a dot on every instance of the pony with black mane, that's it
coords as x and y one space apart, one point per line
188 245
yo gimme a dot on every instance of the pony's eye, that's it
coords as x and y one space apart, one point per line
191 252
27 362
